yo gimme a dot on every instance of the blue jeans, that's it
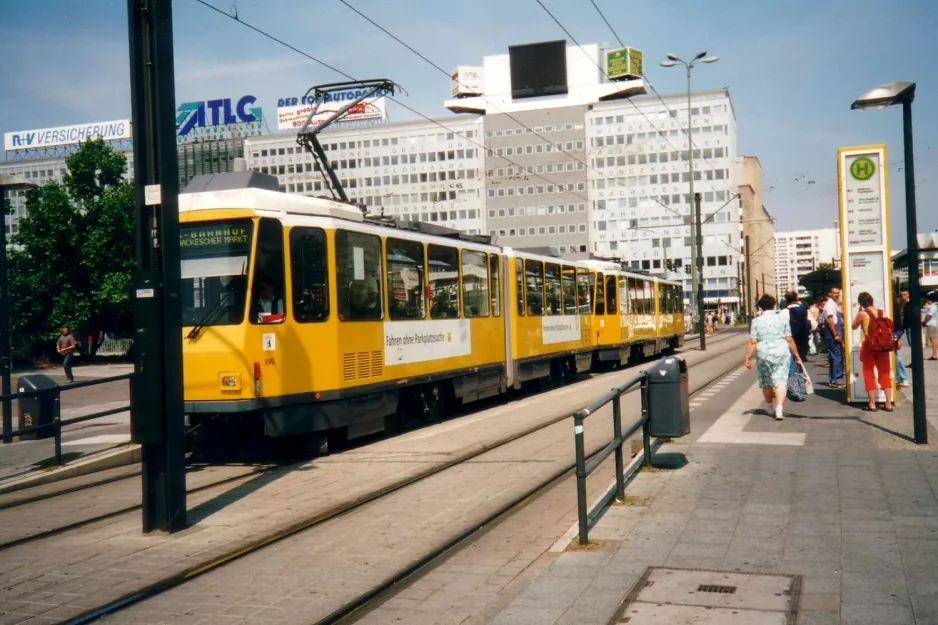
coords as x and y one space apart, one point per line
902 376
835 356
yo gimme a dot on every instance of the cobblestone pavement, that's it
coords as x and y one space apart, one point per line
62 576
839 496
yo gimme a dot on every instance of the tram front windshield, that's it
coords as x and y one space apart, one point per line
215 259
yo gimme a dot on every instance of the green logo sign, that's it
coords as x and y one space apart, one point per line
862 168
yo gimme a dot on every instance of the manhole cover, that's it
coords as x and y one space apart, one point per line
702 597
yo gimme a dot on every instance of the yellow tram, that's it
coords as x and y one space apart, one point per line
302 316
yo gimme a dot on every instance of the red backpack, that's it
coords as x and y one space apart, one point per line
881 337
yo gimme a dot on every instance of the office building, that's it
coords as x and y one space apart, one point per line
416 171
640 203
759 226
800 252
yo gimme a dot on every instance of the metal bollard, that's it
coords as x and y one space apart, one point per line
646 436
580 478
617 433
57 424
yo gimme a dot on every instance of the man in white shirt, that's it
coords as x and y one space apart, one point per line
832 318
931 324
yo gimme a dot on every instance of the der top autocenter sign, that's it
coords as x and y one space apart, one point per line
66 135
292 112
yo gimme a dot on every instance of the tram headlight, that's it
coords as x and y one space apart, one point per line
229 381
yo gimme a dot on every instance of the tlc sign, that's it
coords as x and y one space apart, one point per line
224 112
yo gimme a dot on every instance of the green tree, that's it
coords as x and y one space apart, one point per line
828 266
73 256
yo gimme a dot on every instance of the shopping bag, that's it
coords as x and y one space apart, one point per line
808 384
796 383
812 348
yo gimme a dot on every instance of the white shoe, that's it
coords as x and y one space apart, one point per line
779 413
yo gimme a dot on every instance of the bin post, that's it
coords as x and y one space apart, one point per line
646 436
617 433
57 424
580 478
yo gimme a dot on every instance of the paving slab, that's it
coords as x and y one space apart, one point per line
839 496
105 560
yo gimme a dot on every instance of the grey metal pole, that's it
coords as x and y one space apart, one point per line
690 157
157 422
700 264
617 433
646 433
582 520
749 302
5 328
918 358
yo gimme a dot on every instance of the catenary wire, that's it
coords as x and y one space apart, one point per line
437 67
649 83
396 101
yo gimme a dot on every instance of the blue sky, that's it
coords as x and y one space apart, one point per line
792 68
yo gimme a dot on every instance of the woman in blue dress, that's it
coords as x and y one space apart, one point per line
770 340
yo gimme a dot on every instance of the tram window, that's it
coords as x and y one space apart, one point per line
600 294
625 299
648 297
635 296
494 291
268 292
611 295
568 275
444 281
475 284
584 295
553 292
310 274
534 279
664 298
519 286
405 269
358 276
215 260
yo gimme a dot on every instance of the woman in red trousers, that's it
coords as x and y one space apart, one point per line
875 363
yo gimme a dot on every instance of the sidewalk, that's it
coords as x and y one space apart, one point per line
827 517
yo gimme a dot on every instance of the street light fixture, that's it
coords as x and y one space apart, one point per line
672 61
8 182
879 98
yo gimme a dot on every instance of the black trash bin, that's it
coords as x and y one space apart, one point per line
39 409
668 398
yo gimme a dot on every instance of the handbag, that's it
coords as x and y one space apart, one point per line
796 383
808 384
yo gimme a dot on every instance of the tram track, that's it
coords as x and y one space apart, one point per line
22 498
156 588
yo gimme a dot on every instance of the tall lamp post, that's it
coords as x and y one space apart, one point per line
882 96
672 61
8 182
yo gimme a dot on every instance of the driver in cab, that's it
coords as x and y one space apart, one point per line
269 308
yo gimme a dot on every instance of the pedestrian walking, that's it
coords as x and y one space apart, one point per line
878 341
813 313
66 346
833 320
771 342
903 329
797 315
930 323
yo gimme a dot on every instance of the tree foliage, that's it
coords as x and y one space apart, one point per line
73 256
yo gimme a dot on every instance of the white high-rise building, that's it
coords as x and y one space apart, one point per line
800 252
638 157
417 171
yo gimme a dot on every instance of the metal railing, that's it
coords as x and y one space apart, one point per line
587 517
57 422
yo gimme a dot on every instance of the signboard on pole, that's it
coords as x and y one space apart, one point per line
624 63
864 231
